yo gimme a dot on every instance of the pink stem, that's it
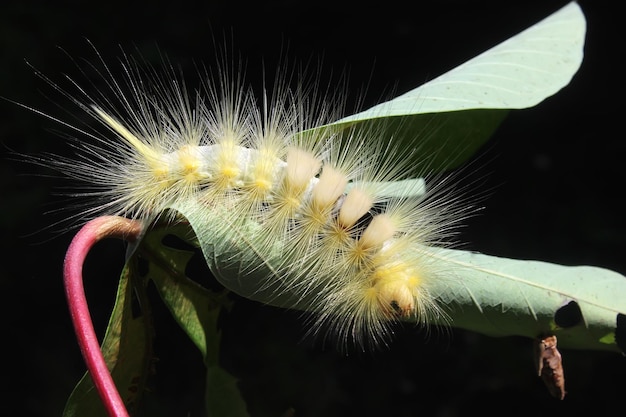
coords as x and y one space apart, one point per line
85 239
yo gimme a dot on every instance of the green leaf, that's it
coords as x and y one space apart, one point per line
581 305
447 114
520 72
486 294
126 348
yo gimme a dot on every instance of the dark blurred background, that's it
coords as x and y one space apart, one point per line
555 172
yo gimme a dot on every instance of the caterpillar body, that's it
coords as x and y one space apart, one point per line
288 207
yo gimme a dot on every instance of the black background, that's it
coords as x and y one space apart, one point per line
556 174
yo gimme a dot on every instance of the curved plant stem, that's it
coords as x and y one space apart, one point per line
85 239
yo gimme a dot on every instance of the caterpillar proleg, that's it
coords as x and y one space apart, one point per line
295 205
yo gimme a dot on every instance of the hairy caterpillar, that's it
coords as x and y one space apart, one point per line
302 208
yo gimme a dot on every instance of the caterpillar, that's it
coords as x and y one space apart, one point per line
301 207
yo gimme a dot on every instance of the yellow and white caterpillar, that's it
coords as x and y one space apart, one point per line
309 199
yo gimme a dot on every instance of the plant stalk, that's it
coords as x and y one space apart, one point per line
91 233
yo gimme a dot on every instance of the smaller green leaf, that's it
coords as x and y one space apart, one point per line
126 348
196 310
